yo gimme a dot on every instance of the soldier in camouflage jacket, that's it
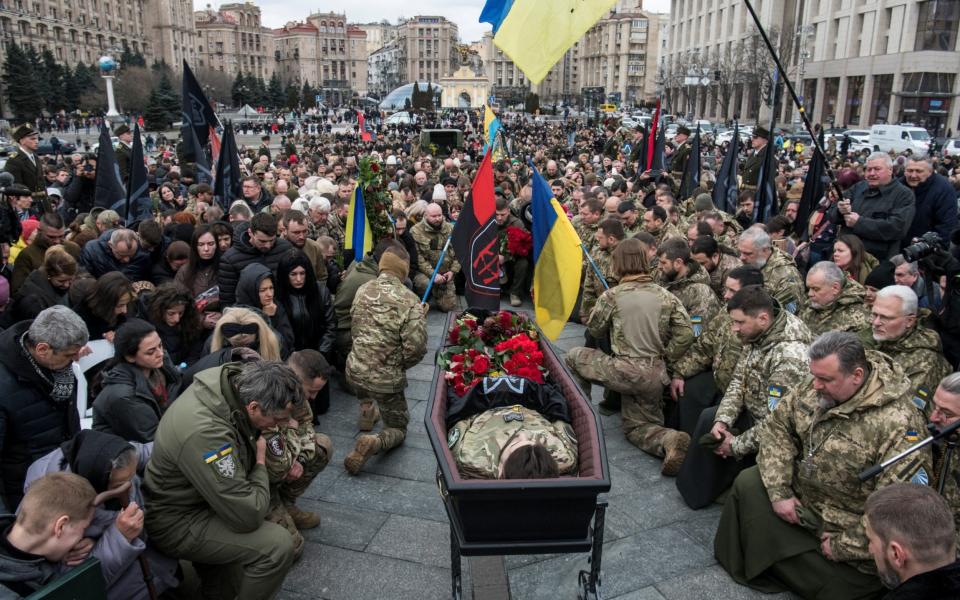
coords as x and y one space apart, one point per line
834 301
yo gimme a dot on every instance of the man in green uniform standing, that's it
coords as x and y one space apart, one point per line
751 168
207 486
24 164
389 336
124 150
680 156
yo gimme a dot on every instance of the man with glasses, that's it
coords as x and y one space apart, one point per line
50 232
946 411
254 195
917 349
259 244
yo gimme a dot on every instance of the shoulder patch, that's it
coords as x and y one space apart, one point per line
920 477
697 322
921 397
911 436
453 437
774 394
222 460
276 444
515 414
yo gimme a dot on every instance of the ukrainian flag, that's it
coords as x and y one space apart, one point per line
491 125
556 256
358 235
536 33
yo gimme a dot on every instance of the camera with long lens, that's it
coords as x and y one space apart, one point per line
928 243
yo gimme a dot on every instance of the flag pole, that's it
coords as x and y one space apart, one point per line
436 269
596 269
793 95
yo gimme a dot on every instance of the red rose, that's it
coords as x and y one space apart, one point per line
454 334
506 319
375 167
481 365
471 324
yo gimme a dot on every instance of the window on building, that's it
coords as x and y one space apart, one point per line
937 24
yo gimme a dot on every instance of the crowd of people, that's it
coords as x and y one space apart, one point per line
772 359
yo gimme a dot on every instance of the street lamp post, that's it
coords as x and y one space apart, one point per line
108 67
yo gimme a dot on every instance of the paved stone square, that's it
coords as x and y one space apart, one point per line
385 535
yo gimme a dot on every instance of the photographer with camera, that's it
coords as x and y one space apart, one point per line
81 192
936 201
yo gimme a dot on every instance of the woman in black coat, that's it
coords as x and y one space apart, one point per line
105 308
45 287
139 383
170 308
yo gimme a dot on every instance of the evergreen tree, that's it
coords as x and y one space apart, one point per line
308 95
84 78
416 101
428 97
52 82
239 91
260 91
532 103
18 81
155 116
275 93
167 99
132 59
292 96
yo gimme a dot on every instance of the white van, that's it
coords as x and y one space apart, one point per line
898 138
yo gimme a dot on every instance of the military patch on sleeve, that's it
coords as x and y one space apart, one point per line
697 322
791 308
774 394
920 477
515 414
275 444
453 437
911 436
921 397
222 460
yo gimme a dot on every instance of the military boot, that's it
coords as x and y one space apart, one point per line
369 415
610 404
675 444
301 518
367 446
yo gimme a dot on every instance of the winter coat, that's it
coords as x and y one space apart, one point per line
118 557
248 294
886 213
31 259
35 295
98 260
78 197
127 407
313 325
936 209
31 424
243 253
21 576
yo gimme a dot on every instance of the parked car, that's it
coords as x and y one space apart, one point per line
45 147
951 147
898 138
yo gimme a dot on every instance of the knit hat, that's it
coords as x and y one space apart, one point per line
703 202
28 227
391 160
393 264
881 276
796 191
439 193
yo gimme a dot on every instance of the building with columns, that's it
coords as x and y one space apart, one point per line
233 40
880 61
170 27
427 48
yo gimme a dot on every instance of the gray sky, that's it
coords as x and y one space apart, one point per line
275 13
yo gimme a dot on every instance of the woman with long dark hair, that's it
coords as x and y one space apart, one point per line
199 275
105 307
171 310
139 383
851 255
47 286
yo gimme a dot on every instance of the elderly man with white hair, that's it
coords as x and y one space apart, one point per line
834 301
917 349
780 274
879 210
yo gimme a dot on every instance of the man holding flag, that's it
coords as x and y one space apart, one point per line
431 236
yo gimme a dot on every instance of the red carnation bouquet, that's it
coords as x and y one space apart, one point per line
517 243
503 344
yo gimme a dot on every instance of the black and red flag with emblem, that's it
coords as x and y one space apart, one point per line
475 241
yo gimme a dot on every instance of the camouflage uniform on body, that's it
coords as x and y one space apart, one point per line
679 161
301 444
389 336
920 354
782 279
357 274
951 489
588 235
629 232
517 266
815 456
430 244
335 229
695 294
476 443
717 349
718 277
847 313
768 368
668 232
592 286
637 371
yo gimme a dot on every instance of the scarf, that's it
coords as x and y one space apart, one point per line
62 382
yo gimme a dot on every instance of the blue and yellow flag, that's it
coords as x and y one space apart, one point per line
358 235
536 33
491 124
557 258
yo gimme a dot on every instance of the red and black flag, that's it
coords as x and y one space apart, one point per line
475 241
651 140
765 198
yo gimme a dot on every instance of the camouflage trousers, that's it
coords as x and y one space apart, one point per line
393 413
278 514
444 293
289 491
640 383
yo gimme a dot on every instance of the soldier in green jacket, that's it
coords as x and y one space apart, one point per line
834 301
795 522
649 331
431 235
751 168
689 282
609 234
207 486
915 348
780 274
681 155
24 164
389 336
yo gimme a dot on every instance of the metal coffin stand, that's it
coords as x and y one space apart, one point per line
526 516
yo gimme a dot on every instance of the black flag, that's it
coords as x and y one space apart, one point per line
139 205
691 174
813 189
765 198
656 162
110 191
199 152
196 113
226 184
475 241
725 191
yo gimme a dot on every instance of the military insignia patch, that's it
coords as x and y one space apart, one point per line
222 460
275 444
921 397
774 394
911 436
697 322
453 437
791 308
515 414
920 477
